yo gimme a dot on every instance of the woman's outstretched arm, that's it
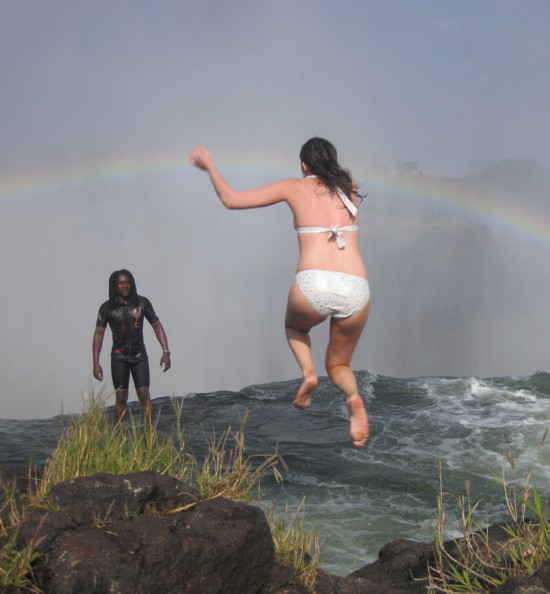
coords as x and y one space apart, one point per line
265 196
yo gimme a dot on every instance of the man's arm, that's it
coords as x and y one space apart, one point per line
96 350
161 337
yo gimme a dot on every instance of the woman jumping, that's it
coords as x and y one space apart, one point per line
331 278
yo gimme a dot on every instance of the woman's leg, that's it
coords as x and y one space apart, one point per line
300 319
344 335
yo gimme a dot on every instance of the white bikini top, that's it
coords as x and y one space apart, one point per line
335 231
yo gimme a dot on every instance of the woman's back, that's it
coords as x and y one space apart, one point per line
320 217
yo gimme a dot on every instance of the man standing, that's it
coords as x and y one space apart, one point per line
125 311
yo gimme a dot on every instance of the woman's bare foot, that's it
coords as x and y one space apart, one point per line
358 421
303 397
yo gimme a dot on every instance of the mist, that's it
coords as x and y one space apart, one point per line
120 94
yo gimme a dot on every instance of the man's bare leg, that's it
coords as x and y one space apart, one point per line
145 401
121 396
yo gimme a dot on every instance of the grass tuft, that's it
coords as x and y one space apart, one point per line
476 563
227 471
92 444
294 545
15 563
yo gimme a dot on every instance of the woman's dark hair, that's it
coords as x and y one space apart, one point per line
321 158
133 298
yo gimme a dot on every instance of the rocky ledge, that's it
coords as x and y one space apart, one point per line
148 533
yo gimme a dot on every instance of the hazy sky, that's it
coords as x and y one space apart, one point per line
100 101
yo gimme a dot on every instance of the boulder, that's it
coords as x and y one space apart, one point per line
401 568
146 533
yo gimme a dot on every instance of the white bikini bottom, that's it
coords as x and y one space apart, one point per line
333 294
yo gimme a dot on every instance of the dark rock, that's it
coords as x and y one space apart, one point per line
399 561
400 569
282 579
112 534
402 566
538 583
104 497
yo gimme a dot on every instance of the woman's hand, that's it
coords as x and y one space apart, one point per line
201 158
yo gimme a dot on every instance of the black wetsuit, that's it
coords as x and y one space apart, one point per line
128 354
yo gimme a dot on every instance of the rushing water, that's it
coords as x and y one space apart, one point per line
359 499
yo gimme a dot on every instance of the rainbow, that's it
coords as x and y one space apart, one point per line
484 206
40 181
379 182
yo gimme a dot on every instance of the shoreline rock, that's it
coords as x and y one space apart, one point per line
145 532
